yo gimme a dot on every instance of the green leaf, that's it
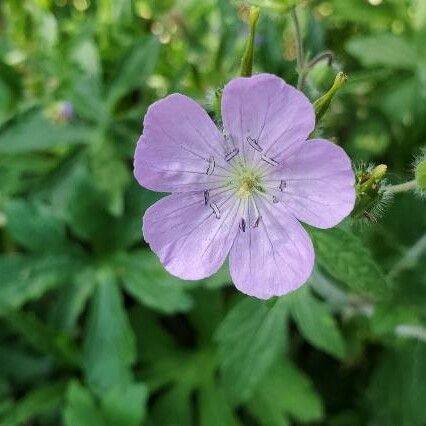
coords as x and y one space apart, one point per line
34 226
138 64
173 408
397 389
22 367
43 338
121 406
344 256
109 345
72 299
215 409
316 323
33 132
250 338
286 392
37 402
80 408
25 278
387 50
145 279
110 173
125 406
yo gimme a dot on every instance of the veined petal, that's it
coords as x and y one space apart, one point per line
266 117
316 184
272 259
191 238
181 149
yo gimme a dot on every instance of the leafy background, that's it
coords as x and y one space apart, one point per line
93 331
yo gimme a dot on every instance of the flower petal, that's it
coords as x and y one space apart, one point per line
274 258
191 239
264 114
318 184
181 149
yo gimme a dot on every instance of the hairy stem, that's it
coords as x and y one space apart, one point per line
402 187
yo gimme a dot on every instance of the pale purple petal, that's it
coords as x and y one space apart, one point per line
191 239
181 149
266 117
316 184
274 258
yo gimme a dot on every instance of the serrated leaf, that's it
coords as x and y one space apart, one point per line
249 338
109 345
316 323
286 392
145 279
344 256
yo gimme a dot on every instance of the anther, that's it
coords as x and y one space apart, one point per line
275 200
283 185
270 161
216 210
210 168
243 225
253 143
206 197
256 222
230 155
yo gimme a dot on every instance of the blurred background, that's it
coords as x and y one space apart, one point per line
93 331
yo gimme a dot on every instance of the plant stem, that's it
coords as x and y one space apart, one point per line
410 258
299 48
402 187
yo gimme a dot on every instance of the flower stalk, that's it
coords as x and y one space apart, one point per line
246 68
402 187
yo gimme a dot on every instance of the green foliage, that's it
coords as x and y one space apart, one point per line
109 347
250 338
316 323
298 400
93 330
345 257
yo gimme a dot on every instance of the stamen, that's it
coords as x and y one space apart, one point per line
216 210
256 222
253 143
269 160
243 225
212 163
230 155
283 184
206 197
275 200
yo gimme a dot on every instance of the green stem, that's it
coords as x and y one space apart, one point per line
248 55
402 187
299 48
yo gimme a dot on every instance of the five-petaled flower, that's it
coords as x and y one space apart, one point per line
242 191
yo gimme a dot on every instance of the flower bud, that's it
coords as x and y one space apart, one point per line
420 175
370 196
248 55
322 104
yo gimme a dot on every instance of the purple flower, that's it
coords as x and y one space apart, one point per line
242 192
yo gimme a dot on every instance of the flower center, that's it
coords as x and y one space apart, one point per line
247 182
